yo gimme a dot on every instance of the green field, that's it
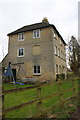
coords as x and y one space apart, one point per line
17 98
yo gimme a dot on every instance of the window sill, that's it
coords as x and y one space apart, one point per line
37 74
56 55
20 56
55 38
21 40
35 37
59 56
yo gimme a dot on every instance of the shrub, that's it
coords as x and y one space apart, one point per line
61 76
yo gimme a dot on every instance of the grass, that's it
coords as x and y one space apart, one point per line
69 108
8 86
17 98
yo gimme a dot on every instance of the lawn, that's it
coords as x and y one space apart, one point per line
17 98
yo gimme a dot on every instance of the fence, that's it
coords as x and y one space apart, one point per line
40 111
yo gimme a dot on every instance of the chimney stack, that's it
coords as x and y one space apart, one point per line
45 20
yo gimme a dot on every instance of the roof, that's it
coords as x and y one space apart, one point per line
34 27
4 57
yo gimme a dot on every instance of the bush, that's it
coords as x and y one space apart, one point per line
61 76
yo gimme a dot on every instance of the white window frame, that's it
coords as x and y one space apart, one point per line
18 52
60 42
58 52
20 38
56 68
55 35
37 70
59 69
36 33
55 49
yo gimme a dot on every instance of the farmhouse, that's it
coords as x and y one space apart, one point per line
40 48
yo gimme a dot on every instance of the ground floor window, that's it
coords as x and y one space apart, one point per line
37 70
56 69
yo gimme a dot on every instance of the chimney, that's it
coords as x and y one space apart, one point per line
45 20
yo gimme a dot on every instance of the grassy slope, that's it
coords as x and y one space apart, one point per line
22 97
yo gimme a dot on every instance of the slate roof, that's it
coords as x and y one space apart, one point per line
34 27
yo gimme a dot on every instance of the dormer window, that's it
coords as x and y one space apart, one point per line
20 36
36 33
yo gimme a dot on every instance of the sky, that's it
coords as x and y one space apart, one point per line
18 13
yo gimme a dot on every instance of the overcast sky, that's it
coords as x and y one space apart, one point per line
18 13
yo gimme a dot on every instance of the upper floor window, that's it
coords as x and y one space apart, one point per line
36 70
55 35
55 48
36 33
20 52
58 52
20 36
61 42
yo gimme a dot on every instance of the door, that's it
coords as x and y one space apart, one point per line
14 73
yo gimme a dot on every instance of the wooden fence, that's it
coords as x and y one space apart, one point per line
39 100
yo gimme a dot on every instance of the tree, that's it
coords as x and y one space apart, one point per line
73 47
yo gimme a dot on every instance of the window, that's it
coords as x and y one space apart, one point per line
21 52
56 69
59 69
61 42
55 35
36 50
21 36
58 52
64 56
55 50
61 54
36 70
36 33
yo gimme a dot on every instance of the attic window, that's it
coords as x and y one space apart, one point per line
20 36
36 33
